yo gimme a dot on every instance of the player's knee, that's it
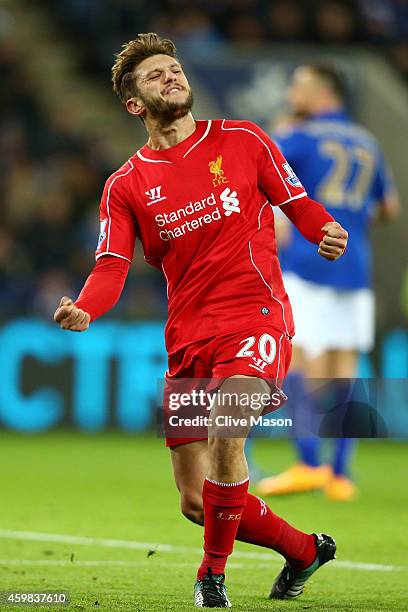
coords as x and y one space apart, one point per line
192 507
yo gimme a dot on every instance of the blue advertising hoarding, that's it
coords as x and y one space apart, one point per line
108 376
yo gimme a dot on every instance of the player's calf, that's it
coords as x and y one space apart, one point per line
191 502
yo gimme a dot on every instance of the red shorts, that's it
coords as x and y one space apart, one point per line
263 352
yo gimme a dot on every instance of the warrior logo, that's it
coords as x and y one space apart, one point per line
155 195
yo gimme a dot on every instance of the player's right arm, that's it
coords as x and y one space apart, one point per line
70 316
114 254
389 205
385 191
100 293
389 208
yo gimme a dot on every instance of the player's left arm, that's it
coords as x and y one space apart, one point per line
283 188
308 215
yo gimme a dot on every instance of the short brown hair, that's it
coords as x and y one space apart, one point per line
134 52
331 76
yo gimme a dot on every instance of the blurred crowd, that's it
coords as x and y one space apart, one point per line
201 26
51 177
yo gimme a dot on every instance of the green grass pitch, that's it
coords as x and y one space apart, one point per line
117 493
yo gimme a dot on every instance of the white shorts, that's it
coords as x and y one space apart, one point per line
330 319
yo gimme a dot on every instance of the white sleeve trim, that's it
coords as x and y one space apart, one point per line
113 254
296 197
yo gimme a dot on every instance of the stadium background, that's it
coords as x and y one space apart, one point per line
62 132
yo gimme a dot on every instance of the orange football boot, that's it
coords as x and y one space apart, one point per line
297 479
340 488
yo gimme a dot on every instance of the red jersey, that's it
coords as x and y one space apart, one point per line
203 213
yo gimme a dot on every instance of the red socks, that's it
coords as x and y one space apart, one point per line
230 513
259 525
223 507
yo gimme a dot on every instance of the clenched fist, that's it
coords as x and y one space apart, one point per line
70 317
334 243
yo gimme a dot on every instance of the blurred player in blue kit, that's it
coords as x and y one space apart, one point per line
340 164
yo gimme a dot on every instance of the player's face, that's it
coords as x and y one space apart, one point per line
163 88
303 91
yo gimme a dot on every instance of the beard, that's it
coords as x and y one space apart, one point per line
167 112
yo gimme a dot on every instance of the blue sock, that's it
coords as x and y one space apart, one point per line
343 449
308 450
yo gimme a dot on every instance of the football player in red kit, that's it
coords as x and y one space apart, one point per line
199 197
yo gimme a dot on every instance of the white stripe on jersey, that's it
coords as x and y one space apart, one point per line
279 359
107 200
265 145
152 161
201 139
260 274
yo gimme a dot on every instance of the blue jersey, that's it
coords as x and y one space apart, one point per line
341 165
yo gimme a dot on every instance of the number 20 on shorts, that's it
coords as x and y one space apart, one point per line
266 347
